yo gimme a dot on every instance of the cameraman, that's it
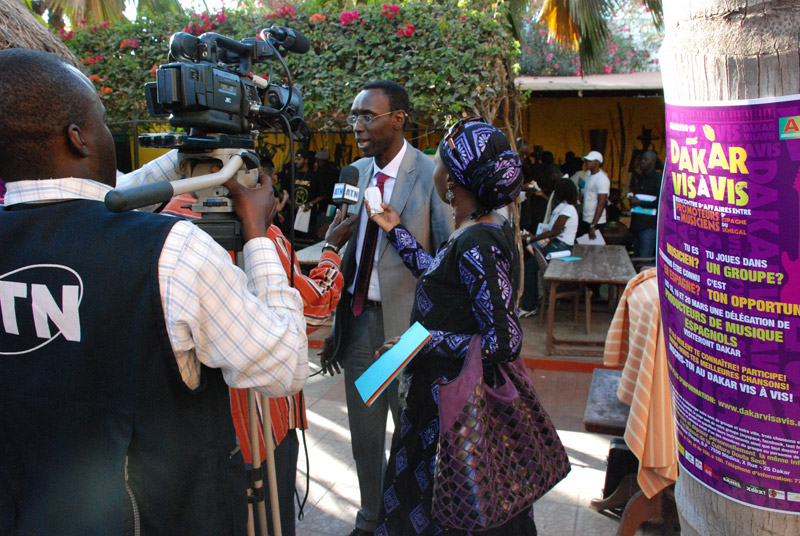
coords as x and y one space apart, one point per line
120 332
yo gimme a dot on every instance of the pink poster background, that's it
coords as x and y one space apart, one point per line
729 283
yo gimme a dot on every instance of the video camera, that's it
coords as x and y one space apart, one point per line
208 88
208 85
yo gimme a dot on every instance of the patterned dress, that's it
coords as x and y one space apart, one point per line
468 287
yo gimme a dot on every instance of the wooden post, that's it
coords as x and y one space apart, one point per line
718 50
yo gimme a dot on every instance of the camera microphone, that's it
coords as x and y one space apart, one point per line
346 191
291 40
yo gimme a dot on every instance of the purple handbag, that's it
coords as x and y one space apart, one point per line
498 449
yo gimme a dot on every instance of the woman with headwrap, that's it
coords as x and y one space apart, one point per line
469 287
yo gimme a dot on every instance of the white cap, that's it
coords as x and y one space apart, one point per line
594 155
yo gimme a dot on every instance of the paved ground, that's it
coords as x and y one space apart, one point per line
564 511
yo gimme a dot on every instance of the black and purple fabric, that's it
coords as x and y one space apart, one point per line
467 287
483 163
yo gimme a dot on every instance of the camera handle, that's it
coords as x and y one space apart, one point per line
214 204
125 199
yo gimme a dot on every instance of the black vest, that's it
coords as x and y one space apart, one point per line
88 378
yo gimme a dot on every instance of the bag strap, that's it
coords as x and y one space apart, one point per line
454 393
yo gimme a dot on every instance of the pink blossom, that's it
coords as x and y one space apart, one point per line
555 66
390 11
347 17
407 30
463 18
284 11
548 57
608 68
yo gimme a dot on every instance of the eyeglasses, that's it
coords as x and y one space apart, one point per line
365 119
457 127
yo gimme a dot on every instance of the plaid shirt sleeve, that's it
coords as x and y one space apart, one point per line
249 324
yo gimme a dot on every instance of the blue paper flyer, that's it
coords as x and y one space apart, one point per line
378 376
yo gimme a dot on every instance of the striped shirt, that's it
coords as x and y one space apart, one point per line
320 290
637 339
247 323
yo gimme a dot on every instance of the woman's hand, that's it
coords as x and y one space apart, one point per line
385 348
387 220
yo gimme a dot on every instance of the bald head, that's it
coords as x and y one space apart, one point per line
52 120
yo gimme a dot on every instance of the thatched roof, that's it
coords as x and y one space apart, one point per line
19 28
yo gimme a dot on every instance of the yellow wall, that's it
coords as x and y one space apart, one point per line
561 124
558 124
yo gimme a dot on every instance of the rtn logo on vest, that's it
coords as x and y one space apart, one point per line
28 308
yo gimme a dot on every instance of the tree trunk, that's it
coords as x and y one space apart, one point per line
719 50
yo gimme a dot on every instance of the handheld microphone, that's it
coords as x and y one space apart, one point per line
291 40
346 191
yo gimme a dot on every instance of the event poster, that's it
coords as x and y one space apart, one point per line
729 284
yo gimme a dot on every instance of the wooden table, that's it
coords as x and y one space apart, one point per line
310 256
598 264
636 339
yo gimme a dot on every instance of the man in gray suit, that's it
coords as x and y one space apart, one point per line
362 322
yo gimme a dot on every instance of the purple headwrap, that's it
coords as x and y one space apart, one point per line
481 160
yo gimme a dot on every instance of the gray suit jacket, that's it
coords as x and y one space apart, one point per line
425 215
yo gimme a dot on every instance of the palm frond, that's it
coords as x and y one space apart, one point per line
556 16
581 24
91 10
158 6
516 8
592 18
656 11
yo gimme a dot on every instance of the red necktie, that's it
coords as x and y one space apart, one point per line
361 288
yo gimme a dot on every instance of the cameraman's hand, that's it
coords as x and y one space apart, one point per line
326 357
255 207
340 231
